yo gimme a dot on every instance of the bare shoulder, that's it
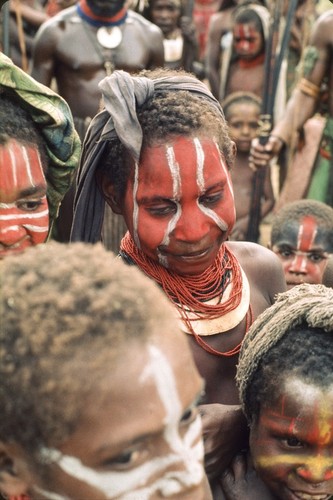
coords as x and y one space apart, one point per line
323 27
141 21
57 22
261 266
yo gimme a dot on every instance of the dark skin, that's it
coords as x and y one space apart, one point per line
220 24
225 428
67 50
301 106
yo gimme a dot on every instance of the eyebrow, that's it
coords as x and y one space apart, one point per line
33 190
128 443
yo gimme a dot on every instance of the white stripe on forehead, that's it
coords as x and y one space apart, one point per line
300 236
13 165
28 166
185 453
176 193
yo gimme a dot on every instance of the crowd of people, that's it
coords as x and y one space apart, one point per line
155 350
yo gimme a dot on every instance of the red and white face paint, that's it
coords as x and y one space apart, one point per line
248 41
303 249
24 214
292 442
179 207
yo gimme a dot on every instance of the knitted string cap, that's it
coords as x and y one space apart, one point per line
310 304
53 119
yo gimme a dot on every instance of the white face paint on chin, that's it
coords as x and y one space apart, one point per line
184 455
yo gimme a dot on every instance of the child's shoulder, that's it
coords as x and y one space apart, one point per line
262 267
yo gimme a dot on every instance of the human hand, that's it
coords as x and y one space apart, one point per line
241 482
188 29
261 155
225 433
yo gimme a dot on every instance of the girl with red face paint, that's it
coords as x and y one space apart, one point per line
160 155
38 155
285 379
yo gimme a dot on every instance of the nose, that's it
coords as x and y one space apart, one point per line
298 265
192 226
317 471
11 234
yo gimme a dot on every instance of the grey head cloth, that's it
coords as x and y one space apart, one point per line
122 94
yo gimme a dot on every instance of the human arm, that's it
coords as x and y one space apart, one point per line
303 101
240 481
43 57
213 52
225 433
33 16
155 44
191 46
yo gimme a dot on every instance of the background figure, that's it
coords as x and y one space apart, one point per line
302 238
242 59
164 165
77 48
53 7
96 412
286 387
39 152
180 39
26 16
219 39
242 110
316 180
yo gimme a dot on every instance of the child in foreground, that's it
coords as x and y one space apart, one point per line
285 378
98 391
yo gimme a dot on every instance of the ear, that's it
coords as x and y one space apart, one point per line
234 151
14 470
109 192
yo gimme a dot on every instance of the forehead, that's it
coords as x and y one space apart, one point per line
243 110
302 401
20 167
245 29
192 160
308 230
158 4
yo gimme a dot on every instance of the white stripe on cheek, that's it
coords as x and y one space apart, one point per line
201 185
28 216
176 193
126 485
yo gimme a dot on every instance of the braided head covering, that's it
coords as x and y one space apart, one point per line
122 94
53 119
310 304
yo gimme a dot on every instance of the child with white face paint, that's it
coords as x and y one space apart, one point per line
160 155
106 408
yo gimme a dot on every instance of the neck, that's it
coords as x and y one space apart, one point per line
256 61
88 15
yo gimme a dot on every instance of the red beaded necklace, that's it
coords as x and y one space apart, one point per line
194 292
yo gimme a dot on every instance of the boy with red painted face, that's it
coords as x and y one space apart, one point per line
285 378
302 238
159 155
39 152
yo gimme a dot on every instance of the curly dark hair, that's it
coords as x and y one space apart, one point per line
67 312
168 114
15 123
292 212
302 352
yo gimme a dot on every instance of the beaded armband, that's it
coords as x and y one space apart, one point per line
309 88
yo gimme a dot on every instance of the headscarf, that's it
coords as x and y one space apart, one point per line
122 94
52 117
310 304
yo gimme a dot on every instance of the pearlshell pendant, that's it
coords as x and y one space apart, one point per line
109 38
